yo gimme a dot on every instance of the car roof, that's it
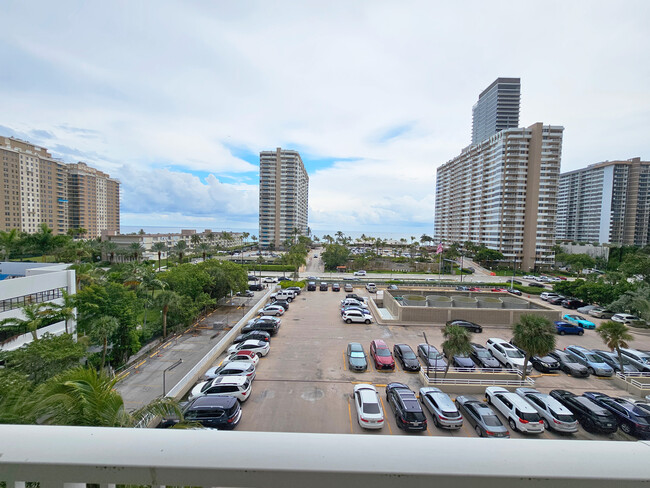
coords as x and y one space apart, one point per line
207 401
403 347
442 398
379 343
229 380
368 395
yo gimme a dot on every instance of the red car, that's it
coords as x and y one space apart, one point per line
475 288
500 290
381 355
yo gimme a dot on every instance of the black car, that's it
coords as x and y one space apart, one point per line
573 303
483 357
556 300
270 326
591 416
323 286
258 335
255 287
631 419
406 357
569 365
466 324
311 286
546 364
514 292
355 296
252 278
212 411
405 405
283 278
536 285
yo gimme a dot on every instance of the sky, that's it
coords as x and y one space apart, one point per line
177 99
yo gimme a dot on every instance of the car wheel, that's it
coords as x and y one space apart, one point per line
512 425
581 332
435 419
488 400
289 299
509 366
627 428
561 332
367 321
587 424
259 354
478 431
592 372
348 321
546 426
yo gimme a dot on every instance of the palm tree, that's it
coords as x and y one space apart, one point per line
339 236
137 249
67 310
457 341
100 330
149 281
180 247
195 239
8 241
615 335
43 240
85 397
245 236
36 315
226 237
109 247
205 248
167 299
85 274
535 335
159 247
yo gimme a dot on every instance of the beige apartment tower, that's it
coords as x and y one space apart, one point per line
38 188
284 197
502 192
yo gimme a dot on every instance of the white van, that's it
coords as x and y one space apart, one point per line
371 287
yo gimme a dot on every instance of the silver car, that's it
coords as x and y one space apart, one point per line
638 358
233 368
443 411
554 415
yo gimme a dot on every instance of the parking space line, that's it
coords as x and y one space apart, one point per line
350 416
428 431
383 407
344 366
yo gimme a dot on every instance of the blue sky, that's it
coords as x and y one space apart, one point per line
177 99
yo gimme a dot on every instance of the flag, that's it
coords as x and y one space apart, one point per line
439 250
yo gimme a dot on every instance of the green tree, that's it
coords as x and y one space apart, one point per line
205 248
195 239
37 315
636 301
167 299
65 311
615 335
223 277
535 335
136 250
101 329
335 255
457 341
180 248
15 392
159 247
187 279
485 256
8 243
86 274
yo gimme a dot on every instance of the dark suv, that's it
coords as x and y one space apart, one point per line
591 416
405 405
311 286
216 412
323 286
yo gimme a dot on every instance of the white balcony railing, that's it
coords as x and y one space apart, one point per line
66 456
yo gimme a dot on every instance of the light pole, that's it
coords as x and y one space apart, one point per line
461 265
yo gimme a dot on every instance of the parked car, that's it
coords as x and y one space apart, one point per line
612 359
556 300
545 364
274 310
595 364
586 309
381 355
431 357
296 289
255 287
481 417
232 368
601 313
458 288
572 303
259 335
356 357
563 328
507 354
357 316
483 358
234 386
353 301
370 415
336 287
548 294
311 286
521 415
371 287
260 347
466 324
554 415
627 319
323 286
405 405
348 287
244 356
536 285
212 412
579 320
263 323
247 294
444 412
592 417
462 361
514 292
405 355
569 365
346 308
640 359
356 297
631 419
286 295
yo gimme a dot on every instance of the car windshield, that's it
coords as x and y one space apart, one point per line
433 354
578 317
491 421
514 353
384 353
408 354
355 354
464 356
483 354
370 408
594 358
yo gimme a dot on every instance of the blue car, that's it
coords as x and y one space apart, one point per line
563 328
579 320
594 363
631 419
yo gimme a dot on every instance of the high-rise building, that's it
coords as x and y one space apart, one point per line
284 196
606 202
497 109
38 188
502 193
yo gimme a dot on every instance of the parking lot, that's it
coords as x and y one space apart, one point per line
303 385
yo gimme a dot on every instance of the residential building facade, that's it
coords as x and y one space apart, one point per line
606 202
284 197
497 109
40 189
502 193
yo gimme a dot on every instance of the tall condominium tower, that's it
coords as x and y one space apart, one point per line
606 202
40 189
284 195
497 109
502 193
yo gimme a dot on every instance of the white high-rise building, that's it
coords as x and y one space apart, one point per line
606 202
284 197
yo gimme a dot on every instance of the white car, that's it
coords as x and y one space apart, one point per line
360 273
507 354
234 386
352 301
234 368
370 415
625 318
269 279
638 358
554 415
242 356
371 287
548 294
357 316
272 310
529 277
261 348
520 414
